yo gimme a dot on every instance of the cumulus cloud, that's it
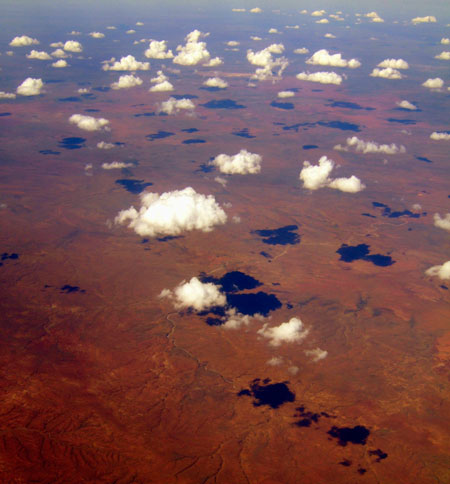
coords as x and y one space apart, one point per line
89 123
158 50
193 52
7 95
273 30
275 361
318 176
324 58
30 87
322 21
131 31
321 77
292 331
264 57
318 13
235 320
242 163
97 35
114 165
255 37
174 106
317 354
172 213
23 41
255 10
127 63
421 20
214 62
75 32
445 40
59 54
163 86
238 10
301 50
284 94
442 271
445 55
126 81
406 105
442 222
233 43
394 64
60 64
161 77
433 83
104 145
374 17
440 136
73 46
329 36
216 82
39 55
362 146
388 73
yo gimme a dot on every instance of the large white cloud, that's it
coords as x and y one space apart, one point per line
126 81
321 77
7 95
362 146
440 136
216 82
174 106
394 64
445 55
23 41
114 165
442 222
442 271
73 46
292 331
172 213
420 20
126 63
324 58
39 55
433 83
158 50
193 52
264 57
30 87
242 163
255 10
89 123
406 105
387 73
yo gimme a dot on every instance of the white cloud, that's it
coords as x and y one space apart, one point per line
83 90
322 21
22 41
139 24
295 27
242 163
163 86
59 64
235 320
126 81
161 77
362 146
30 87
272 30
127 63
158 50
172 213
394 63
348 185
173 106
255 37
196 295
89 123
318 13
75 32
57 44
111 27
59 54
317 354
73 46
329 36
374 17
440 136
442 271
233 43
104 145
221 180
97 35
131 31
7 95
275 361
321 77
216 82
387 73
238 9
427 19
114 165
214 62
445 55
255 10
445 40
284 94
406 105
265 59
442 222
435 83
193 52
292 331
301 50
324 58
39 55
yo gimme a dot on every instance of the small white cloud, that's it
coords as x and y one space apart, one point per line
193 52
126 81
433 83
127 63
362 146
242 163
442 271
39 55
233 43
131 31
73 46
161 77
318 13
445 55
75 32
374 17
406 105
114 165
83 90
272 30
321 77
174 106
7 95
394 63
172 213
104 145
347 185
275 361
60 54
235 320
420 20
221 180
214 62
158 50
255 37
57 44
440 136
292 331
30 87
23 41
238 10
216 82
295 27
387 73
442 222
284 94
139 24
301 50
89 123
111 27
324 58
445 40
255 10
322 21
329 36
59 64
317 354
163 86
97 35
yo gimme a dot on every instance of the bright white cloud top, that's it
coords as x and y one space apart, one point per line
243 163
194 52
361 146
321 77
172 213
216 82
115 165
293 331
441 271
422 20
23 41
404 104
301 50
30 87
174 106
39 55
59 64
104 145
445 55
89 123
163 86
436 135
374 17
387 73
7 95
433 83
285 94
126 81
442 222
324 58
394 64
158 50
73 46
126 63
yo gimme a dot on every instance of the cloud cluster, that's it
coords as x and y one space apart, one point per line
268 64
433 83
318 176
174 106
39 55
406 105
126 81
285 94
235 320
30 87
194 52
318 13
242 163
216 82
89 123
421 20
321 77
362 146
114 165
387 73
440 136
172 213
23 41
445 55
264 57
158 50
442 222
394 64
324 58
442 271
73 46
292 331
127 63
374 17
